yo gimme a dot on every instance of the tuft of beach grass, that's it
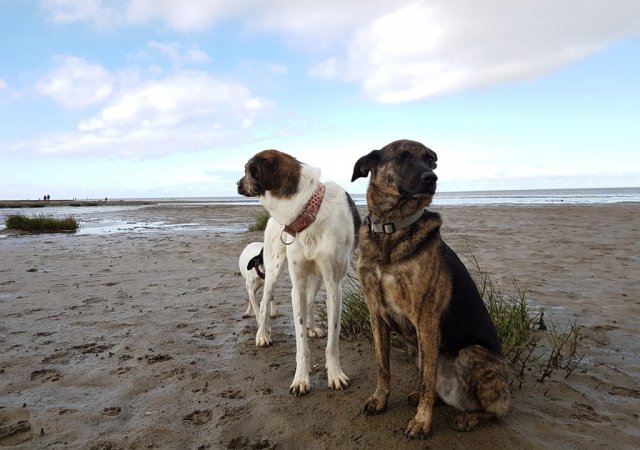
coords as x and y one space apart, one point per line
41 224
260 223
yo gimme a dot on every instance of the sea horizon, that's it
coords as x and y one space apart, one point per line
454 198
441 198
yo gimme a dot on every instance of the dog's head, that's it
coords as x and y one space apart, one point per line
270 170
401 169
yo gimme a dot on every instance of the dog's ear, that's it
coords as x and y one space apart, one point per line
256 261
263 170
252 263
365 164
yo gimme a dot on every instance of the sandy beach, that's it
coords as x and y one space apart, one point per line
134 340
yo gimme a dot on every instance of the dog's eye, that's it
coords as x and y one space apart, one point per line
253 171
403 156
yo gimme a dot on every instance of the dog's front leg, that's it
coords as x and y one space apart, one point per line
336 378
428 342
263 336
381 339
301 381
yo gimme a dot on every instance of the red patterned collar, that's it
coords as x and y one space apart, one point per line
308 216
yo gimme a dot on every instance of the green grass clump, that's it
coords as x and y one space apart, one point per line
355 314
41 224
511 316
261 222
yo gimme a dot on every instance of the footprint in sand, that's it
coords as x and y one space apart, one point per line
231 393
207 336
123 370
61 356
199 417
245 443
619 390
152 359
94 300
92 347
15 426
45 375
112 411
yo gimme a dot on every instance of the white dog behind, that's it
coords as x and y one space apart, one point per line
312 227
252 268
251 264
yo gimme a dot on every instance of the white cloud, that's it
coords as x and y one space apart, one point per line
405 50
174 100
185 16
3 84
327 69
432 48
103 14
76 83
178 54
187 111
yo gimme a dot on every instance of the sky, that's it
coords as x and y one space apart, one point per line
163 98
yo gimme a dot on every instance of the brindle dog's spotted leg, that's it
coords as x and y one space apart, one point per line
428 341
381 337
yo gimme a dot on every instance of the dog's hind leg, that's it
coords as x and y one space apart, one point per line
273 310
477 384
312 289
253 302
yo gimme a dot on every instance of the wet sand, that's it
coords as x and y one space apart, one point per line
135 340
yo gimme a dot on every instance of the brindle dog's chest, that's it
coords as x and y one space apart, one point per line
398 300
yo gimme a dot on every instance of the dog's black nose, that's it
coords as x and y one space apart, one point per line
429 177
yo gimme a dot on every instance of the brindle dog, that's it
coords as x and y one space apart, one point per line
416 285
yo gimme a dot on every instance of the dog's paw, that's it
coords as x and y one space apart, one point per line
338 380
374 406
466 422
263 340
300 387
273 314
245 315
418 429
315 332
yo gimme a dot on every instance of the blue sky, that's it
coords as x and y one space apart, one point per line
160 98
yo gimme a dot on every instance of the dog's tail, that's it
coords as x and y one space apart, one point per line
357 220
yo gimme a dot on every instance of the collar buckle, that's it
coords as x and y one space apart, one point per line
388 228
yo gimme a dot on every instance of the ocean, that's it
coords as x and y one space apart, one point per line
512 197
106 218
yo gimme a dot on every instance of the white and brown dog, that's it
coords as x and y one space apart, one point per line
316 225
